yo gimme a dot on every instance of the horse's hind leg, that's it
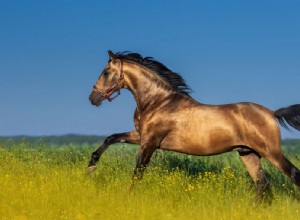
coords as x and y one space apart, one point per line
253 164
285 166
132 137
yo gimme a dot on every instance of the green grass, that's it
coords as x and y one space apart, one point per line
50 183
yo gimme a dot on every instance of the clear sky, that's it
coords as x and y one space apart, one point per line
51 53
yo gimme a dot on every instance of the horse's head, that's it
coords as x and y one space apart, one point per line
110 81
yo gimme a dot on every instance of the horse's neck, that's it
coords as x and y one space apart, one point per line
146 87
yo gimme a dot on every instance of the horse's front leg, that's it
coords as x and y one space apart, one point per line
132 137
144 156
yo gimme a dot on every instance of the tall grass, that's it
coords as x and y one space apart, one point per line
51 183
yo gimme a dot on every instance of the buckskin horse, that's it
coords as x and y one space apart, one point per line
168 118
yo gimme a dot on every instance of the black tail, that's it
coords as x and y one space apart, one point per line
289 115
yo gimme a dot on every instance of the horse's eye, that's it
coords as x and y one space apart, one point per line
106 74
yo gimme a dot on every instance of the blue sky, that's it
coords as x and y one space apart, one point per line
51 53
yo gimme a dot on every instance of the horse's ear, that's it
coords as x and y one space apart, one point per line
112 56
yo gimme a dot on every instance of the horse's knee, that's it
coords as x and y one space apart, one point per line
295 176
111 139
108 140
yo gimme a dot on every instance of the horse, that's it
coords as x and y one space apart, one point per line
168 118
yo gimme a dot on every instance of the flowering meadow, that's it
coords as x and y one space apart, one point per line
44 182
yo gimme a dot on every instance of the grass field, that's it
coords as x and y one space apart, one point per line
50 183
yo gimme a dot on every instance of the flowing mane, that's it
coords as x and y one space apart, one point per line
175 80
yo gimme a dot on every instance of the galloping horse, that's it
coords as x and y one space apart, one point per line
168 118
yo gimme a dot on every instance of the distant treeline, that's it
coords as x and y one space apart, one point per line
72 139
60 140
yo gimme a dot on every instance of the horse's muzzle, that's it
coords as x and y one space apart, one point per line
96 98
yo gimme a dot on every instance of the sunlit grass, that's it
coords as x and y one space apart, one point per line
51 183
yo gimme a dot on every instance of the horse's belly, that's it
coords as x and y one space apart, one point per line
212 143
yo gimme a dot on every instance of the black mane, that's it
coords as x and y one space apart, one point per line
173 79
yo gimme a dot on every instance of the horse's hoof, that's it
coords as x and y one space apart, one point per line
91 169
